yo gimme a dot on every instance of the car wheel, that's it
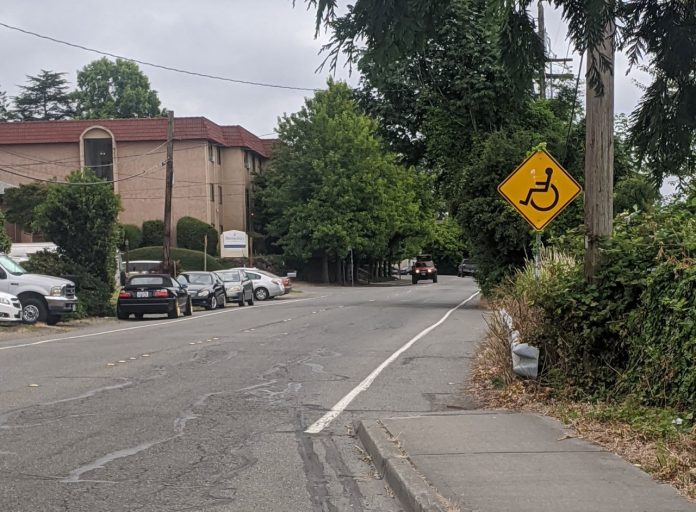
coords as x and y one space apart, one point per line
176 310
222 301
52 319
213 303
434 279
139 316
34 310
261 293
240 300
189 308
121 315
414 280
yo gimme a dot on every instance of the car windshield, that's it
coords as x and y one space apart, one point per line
156 280
230 276
422 264
12 266
199 278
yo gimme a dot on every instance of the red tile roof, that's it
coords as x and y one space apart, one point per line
131 130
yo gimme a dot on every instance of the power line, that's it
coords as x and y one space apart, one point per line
159 66
54 182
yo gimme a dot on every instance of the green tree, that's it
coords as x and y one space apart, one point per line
331 187
21 202
5 242
81 218
108 89
191 233
45 98
5 112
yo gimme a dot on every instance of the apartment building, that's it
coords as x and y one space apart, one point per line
213 165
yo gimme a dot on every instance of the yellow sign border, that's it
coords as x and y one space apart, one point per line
560 210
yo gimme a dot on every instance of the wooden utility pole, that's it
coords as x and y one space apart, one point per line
169 184
599 151
542 36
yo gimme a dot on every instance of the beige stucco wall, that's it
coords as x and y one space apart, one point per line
142 196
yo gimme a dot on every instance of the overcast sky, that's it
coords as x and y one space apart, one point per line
257 40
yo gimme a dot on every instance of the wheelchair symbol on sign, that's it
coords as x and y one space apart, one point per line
543 187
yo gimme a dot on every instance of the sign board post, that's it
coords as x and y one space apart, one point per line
234 244
539 189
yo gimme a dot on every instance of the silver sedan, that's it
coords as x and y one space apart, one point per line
266 286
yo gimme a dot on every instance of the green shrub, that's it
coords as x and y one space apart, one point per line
631 332
153 233
94 295
133 234
191 233
185 259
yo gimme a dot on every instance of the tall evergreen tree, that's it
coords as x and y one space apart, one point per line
45 98
5 113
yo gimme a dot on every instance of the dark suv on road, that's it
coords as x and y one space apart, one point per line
423 269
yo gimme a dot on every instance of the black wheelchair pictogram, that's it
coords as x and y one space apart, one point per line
542 187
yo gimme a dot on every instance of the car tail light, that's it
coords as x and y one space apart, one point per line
275 281
123 294
160 293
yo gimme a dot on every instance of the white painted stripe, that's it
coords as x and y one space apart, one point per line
337 409
157 324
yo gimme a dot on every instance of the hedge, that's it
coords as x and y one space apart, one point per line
133 234
191 233
185 259
153 233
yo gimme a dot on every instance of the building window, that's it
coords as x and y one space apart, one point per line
212 193
99 157
219 194
211 154
219 155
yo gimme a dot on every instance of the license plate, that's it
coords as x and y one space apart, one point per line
423 273
142 295
73 307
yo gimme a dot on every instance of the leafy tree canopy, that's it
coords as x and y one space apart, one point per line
45 98
331 187
21 202
81 219
108 89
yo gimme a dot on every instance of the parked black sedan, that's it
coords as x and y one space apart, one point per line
153 294
205 289
238 286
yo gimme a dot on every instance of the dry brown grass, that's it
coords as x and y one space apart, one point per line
671 460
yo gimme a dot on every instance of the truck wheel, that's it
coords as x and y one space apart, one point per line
52 319
33 310
434 279
414 280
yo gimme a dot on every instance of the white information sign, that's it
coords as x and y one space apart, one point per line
234 244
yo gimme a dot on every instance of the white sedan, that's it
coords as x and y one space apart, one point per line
266 286
10 308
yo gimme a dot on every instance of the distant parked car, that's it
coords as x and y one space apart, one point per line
205 289
238 286
287 284
153 294
466 268
10 308
266 286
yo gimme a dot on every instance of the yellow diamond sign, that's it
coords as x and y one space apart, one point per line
539 189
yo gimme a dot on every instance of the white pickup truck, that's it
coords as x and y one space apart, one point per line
43 298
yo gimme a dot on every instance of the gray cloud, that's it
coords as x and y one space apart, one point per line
259 40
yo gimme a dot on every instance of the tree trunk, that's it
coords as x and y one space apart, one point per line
599 155
339 273
325 268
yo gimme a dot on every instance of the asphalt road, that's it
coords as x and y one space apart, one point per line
210 412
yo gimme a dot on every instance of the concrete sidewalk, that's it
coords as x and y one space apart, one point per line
488 461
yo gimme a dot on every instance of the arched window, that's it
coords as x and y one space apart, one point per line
98 152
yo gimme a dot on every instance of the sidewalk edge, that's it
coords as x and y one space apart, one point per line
412 490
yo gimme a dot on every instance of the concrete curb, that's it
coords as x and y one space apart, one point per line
412 490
